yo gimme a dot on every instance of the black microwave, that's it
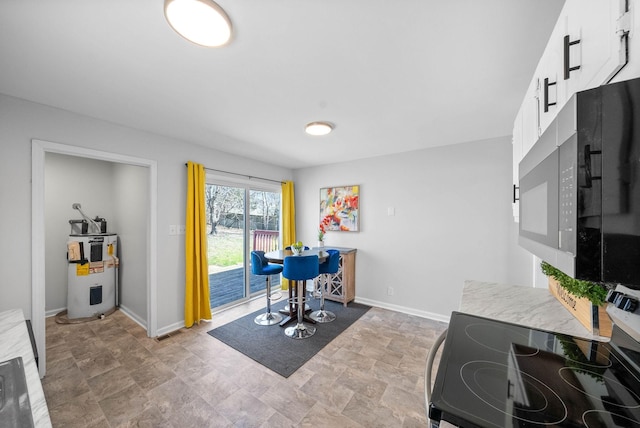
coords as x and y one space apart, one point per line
580 187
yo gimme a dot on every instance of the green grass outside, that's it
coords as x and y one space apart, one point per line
225 248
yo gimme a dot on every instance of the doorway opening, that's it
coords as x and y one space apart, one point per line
38 231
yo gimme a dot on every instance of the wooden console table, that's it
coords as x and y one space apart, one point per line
342 285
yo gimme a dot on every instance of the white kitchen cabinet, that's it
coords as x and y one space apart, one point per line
596 51
600 34
530 117
549 81
601 52
585 50
517 150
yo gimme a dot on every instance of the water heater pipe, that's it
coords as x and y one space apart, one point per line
77 206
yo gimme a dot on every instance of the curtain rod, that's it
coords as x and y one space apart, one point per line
242 175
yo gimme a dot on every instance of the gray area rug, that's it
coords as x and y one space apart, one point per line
269 346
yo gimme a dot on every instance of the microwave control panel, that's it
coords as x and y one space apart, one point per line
567 194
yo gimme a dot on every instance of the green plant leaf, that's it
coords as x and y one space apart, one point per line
596 293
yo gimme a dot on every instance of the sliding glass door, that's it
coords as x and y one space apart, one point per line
240 218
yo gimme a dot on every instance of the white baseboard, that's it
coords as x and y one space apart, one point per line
140 321
170 328
404 310
123 309
53 312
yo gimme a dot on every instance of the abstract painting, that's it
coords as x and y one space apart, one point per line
339 208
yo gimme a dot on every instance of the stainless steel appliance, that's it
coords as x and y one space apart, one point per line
580 187
497 374
92 275
92 287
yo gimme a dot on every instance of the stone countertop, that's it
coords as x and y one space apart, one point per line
528 306
15 342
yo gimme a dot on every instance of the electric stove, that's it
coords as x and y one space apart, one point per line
498 374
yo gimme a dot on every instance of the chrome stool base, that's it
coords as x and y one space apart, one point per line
286 309
268 319
322 316
300 331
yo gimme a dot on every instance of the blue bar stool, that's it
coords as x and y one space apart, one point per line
260 266
296 269
287 308
329 267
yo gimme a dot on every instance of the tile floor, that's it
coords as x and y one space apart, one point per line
107 373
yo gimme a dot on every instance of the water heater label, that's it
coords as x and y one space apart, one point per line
82 270
96 267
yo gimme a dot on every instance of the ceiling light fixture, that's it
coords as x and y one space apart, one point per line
202 22
318 128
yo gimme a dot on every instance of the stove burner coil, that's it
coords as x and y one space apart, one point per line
539 405
494 337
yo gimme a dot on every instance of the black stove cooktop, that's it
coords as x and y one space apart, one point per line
497 374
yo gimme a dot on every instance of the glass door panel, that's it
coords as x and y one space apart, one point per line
225 208
264 231
240 219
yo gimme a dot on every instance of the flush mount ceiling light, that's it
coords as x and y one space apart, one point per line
318 128
202 22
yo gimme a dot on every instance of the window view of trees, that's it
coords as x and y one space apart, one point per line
226 211
223 201
265 210
225 207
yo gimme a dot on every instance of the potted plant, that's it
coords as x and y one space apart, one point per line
297 248
584 299
322 229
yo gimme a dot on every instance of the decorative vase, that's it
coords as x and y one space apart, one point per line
320 244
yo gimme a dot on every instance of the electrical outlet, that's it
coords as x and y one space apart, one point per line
390 291
173 229
182 229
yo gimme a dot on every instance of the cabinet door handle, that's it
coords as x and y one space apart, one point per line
589 177
547 104
567 66
515 190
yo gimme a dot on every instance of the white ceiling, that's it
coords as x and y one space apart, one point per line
393 75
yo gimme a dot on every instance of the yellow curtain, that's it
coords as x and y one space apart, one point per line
196 295
288 220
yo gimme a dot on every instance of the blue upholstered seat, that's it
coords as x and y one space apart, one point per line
260 266
299 268
331 264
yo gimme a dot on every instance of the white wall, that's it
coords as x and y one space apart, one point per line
452 222
131 196
21 121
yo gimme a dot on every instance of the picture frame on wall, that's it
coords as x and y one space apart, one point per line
340 208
